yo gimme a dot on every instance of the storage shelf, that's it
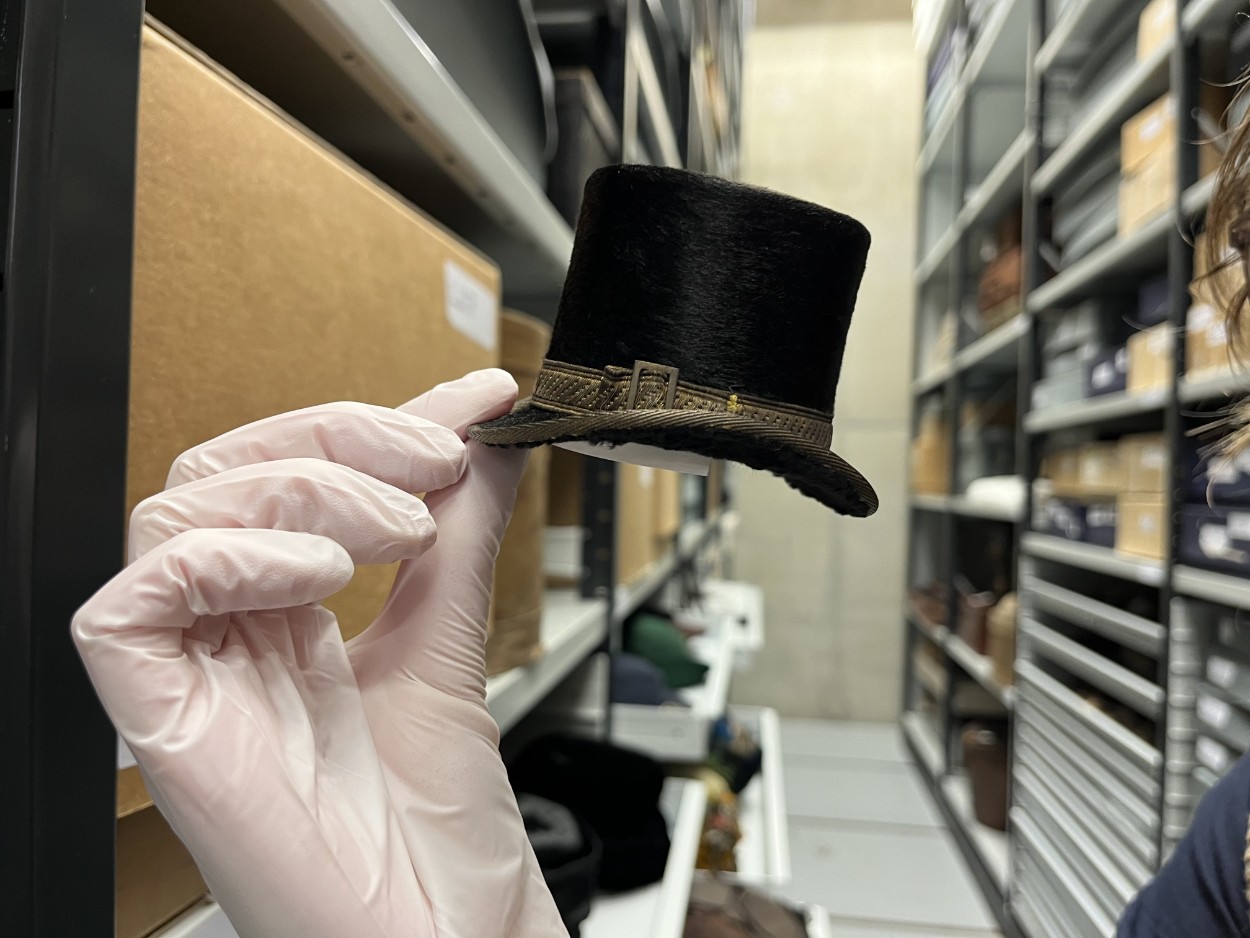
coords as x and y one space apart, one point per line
1001 46
1073 32
379 93
932 380
1212 387
1093 558
1111 622
991 845
938 255
941 140
1144 82
1202 15
763 853
659 909
1103 409
996 349
572 628
690 540
1119 682
981 669
1196 198
925 741
965 507
1003 184
1117 261
1211 586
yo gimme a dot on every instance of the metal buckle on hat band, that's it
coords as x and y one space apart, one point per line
641 371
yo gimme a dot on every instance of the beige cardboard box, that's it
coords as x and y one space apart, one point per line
1101 472
271 274
1144 462
1150 359
1148 193
155 875
667 506
1156 23
1063 468
1148 135
1140 526
635 513
1206 342
931 458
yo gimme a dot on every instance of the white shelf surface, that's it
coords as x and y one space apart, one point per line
204 920
968 507
940 141
924 736
572 628
1001 185
1211 586
1141 84
1217 387
980 668
658 910
999 348
1103 408
382 53
680 734
1197 197
932 379
1072 32
763 853
1120 259
1092 557
991 845
937 255
742 607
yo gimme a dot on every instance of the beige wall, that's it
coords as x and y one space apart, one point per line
831 114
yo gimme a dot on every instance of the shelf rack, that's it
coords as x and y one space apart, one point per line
1074 628
371 87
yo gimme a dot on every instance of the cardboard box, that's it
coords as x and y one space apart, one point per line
1155 24
931 458
271 274
156 877
666 517
1148 193
1148 135
1063 468
1075 520
1215 538
1140 526
635 543
1150 359
1101 472
1107 372
1206 342
1144 463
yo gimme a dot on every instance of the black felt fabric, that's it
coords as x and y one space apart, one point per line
748 290
616 791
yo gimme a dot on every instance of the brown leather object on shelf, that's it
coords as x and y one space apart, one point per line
974 609
516 617
1000 279
985 757
929 604
1001 640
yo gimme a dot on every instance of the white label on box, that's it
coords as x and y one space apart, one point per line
1214 712
1221 671
1201 316
1239 526
1153 456
1159 341
1146 523
1217 335
1211 754
646 475
472 309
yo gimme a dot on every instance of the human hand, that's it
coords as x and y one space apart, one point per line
327 789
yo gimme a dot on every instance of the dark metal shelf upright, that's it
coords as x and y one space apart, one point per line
70 73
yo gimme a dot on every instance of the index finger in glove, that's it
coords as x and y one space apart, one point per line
131 633
402 449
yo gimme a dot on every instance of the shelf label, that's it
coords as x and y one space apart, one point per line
1214 712
472 309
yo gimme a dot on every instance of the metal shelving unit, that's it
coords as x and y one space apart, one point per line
1110 644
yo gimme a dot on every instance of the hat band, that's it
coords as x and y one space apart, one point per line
576 389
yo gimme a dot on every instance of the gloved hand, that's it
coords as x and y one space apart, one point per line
326 789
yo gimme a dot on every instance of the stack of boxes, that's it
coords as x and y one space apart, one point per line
1110 494
1206 336
1216 538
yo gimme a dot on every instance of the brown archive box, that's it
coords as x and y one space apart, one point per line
270 273
517 609
1141 527
155 875
1150 359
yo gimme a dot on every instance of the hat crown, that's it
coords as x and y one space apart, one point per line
741 289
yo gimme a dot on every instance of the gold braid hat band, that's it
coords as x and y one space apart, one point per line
576 389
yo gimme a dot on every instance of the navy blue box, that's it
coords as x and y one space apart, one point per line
1107 373
1091 522
1215 538
1226 479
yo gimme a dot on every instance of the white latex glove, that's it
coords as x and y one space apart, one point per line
326 789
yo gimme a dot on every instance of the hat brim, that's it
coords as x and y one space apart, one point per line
816 472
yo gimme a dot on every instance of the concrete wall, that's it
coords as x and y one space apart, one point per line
831 114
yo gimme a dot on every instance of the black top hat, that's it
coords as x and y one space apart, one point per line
705 316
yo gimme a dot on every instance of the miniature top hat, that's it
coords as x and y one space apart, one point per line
704 316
